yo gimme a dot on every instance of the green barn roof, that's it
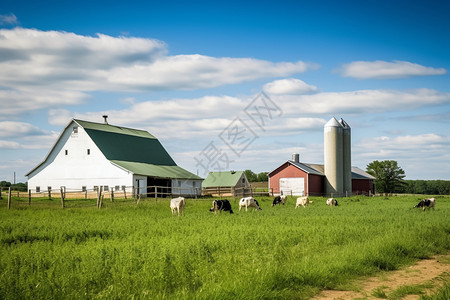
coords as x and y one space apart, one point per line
222 179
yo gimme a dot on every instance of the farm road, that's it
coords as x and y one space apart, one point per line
435 270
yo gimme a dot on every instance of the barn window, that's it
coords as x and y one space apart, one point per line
38 189
88 151
117 188
83 188
123 188
49 188
95 187
75 129
243 180
66 152
106 188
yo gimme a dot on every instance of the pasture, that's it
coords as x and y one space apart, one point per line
143 251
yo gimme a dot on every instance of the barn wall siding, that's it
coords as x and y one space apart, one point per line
362 186
286 171
316 185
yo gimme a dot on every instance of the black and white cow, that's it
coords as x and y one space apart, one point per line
279 199
248 202
332 202
426 203
219 205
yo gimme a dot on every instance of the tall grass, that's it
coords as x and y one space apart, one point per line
142 251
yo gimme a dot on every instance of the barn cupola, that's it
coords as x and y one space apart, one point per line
106 119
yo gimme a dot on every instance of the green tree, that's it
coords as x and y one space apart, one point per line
388 176
263 177
251 177
5 184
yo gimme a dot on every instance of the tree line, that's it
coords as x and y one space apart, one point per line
253 177
389 178
22 187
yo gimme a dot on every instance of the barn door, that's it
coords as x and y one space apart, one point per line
292 186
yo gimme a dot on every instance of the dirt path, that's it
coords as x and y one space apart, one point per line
432 272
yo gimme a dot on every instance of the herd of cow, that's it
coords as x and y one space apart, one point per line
177 204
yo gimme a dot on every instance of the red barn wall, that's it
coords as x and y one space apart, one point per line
362 186
289 171
315 185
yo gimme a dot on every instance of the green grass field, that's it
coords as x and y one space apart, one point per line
142 251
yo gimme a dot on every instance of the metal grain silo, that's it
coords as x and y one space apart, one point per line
347 158
333 158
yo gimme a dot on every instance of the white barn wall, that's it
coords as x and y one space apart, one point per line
186 187
77 168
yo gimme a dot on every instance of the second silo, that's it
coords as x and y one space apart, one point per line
346 158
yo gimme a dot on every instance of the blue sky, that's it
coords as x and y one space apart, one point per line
192 73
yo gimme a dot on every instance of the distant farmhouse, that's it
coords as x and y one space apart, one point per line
90 155
229 183
335 178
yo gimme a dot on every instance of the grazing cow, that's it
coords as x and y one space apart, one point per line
332 202
249 202
219 205
426 203
302 201
279 199
177 205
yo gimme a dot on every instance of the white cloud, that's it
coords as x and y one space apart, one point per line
18 102
362 101
9 145
422 145
18 129
291 86
48 69
188 72
387 70
10 19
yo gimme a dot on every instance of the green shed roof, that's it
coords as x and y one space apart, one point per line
222 179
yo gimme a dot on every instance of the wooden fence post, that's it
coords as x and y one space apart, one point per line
112 195
29 197
99 195
9 197
124 189
1 193
62 197
49 194
101 200
156 193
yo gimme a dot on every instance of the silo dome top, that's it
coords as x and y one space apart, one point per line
333 123
343 123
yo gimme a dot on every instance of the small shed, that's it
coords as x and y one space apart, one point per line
228 183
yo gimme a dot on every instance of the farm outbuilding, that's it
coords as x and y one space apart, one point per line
90 155
336 177
227 183
300 179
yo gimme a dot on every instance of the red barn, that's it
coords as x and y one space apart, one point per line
296 178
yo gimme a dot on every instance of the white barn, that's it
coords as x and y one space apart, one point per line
89 155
